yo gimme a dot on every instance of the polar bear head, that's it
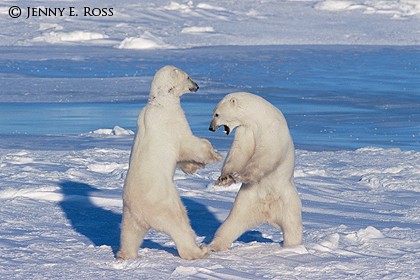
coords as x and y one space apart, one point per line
170 80
242 109
231 112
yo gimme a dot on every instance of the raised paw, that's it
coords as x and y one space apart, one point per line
215 156
243 178
191 167
225 180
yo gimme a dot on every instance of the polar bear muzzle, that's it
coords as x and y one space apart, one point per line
213 127
194 87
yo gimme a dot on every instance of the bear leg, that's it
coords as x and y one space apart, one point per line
244 215
132 235
288 217
184 237
198 150
174 222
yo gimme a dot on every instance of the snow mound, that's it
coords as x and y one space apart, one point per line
396 8
205 6
334 5
146 42
4 10
75 36
330 243
50 26
116 131
175 6
293 251
105 168
365 235
198 29
44 193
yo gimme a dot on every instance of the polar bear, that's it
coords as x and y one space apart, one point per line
262 158
163 140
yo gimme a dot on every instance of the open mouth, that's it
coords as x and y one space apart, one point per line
226 129
213 128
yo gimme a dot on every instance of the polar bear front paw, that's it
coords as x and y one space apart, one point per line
225 180
191 167
243 178
215 156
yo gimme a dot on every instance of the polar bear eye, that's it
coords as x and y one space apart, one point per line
216 115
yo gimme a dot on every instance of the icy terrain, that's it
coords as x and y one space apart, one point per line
61 211
71 88
183 24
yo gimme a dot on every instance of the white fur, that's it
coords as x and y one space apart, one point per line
262 158
163 140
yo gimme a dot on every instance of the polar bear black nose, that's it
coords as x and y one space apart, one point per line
195 87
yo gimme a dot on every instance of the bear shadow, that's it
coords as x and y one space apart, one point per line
102 227
206 224
98 225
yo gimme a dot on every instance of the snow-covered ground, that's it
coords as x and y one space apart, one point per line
184 23
71 88
61 212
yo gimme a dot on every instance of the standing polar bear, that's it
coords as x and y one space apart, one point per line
262 158
163 140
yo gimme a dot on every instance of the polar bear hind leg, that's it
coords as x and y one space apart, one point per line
288 218
132 235
176 224
243 216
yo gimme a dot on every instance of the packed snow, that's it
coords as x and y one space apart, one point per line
61 212
160 24
345 73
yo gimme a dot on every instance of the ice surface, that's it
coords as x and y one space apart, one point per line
61 212
334 97
396 9
246 22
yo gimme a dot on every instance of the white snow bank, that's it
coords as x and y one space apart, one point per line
175 6
206 6
395 8
334 5
75 36
198 29
106 167
44 193
365 234
328 244
117 131
4 10
50 26
145 42
246 22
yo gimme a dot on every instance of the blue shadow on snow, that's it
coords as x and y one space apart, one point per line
102 227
